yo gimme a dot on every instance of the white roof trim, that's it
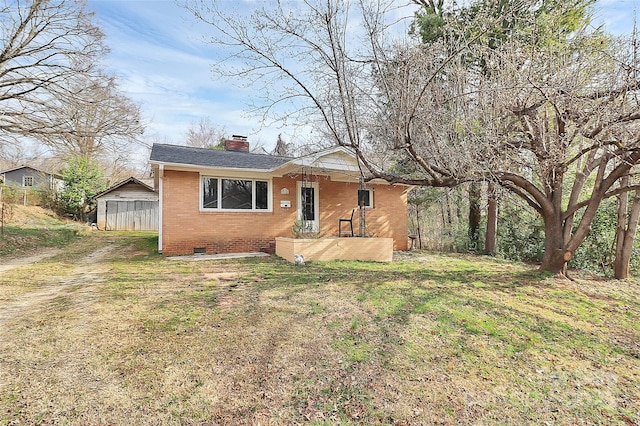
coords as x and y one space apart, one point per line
327 151
196 168
350 163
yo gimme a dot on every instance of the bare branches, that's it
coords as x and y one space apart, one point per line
44 45
50 86
314 55
93 119
205 134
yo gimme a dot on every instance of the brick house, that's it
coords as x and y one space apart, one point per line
233 200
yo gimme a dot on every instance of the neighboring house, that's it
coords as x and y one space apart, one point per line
129 205
236 201
30 177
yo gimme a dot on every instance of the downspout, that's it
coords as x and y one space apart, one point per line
160 204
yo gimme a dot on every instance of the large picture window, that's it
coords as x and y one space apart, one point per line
234 194
237 194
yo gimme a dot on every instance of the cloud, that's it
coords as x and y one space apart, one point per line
617 16
165 67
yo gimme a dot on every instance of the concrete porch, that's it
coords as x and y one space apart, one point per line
334 248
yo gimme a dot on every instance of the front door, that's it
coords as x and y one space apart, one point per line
308 209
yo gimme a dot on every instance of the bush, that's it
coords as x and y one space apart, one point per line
596 253
10 194
520 234
44 197
49 198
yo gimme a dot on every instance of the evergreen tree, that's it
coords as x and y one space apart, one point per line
83 180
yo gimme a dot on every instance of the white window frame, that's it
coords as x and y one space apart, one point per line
371 204
253 195
24 181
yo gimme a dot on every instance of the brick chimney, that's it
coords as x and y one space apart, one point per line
236 143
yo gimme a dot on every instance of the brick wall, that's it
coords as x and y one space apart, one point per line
185 227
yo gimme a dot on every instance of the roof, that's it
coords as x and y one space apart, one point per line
32 168
124 182
339 161
176 154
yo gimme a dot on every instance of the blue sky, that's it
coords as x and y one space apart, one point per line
159 53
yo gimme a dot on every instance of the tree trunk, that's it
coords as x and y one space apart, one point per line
474 216
443 216
623 212
418 227
556 255
448 210
625 235
492 221
555 259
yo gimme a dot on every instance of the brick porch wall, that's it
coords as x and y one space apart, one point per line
184 227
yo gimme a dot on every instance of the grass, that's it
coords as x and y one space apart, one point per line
433 339
17 241
32 228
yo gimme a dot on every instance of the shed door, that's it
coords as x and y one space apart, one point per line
132 216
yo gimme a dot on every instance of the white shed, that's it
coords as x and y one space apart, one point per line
129 205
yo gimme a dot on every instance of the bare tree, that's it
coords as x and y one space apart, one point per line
313 67
206 134
44 45
566 116
94 119
522 21
283 148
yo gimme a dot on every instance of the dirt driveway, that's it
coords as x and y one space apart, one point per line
9 264
85 273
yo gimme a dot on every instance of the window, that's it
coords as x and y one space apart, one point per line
27 181
365 198
234 194
237 194
262 195
210 193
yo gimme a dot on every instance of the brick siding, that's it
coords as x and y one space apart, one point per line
185 227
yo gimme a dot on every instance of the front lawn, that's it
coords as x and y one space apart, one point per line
433 339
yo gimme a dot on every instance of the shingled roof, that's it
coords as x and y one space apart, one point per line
123 183
55 175
176 154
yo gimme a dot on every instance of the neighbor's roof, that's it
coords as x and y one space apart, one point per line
32 168
124 182
175 154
